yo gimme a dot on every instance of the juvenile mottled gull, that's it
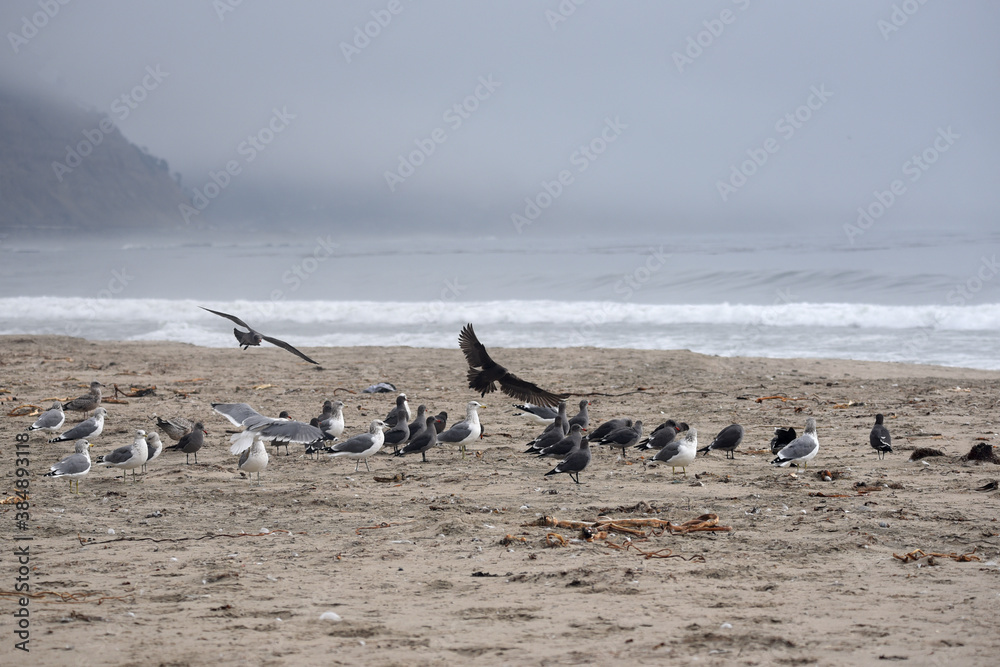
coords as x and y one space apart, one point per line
727 441
51 420
88 428
803 448
87 402
175 427
879 438
680 453
360 447
466 431
128 457
74 466
575 463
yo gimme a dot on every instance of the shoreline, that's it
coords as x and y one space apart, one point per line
426 563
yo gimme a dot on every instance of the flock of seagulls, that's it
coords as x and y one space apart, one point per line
564 438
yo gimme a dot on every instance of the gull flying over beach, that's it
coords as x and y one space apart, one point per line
252 337
485 374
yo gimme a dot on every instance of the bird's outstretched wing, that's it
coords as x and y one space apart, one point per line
482 380
475 352
283 344
229 317
523 390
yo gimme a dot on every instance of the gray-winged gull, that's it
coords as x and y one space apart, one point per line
74 466
562 449
87 402
361 446
466 431
624 437
575 463
89 428
726 441
421 442
128 457
803 448
681 452
254 459
51 420
250 337
191 442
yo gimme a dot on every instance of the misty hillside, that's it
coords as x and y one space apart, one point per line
66 168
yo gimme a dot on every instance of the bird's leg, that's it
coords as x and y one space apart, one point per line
366 465
356 464
423 457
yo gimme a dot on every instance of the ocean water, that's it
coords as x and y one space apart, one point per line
932 299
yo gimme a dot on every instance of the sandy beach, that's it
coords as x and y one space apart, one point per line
444 561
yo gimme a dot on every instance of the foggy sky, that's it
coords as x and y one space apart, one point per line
612 110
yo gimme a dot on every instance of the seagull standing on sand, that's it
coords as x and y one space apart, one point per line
87 402
191 442
662 435
575 463
128 457
74 466
333 424
608 427
803 448
680 452
879 438
88 428
424 440
360 447
623 437
417 425
254 459
466 431
402 408
397 435
51 420
250 337
484 374
154 447
562 449
727 441
582 417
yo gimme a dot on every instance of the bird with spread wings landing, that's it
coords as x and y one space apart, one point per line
484 374
251 337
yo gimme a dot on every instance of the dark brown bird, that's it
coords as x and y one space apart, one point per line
484 374
252 337
191 442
